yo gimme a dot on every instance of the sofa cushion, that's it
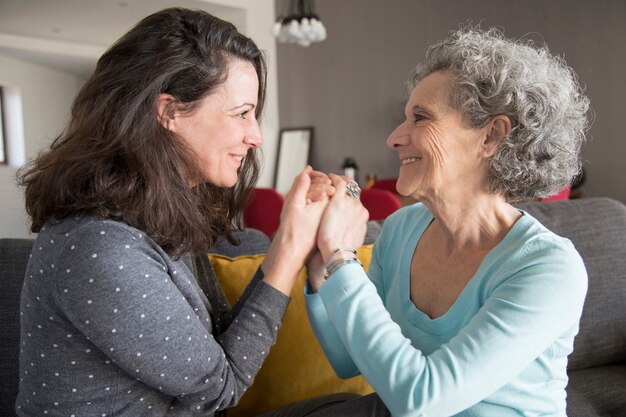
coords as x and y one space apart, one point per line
252 242
373 230
296 368
597 228
14 254
597 392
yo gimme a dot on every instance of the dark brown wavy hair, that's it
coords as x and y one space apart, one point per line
116 161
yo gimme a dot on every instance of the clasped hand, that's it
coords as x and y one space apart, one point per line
317 218
343 223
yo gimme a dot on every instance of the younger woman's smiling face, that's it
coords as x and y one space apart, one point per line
223 127
438 151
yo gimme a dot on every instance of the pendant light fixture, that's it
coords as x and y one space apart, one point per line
299 24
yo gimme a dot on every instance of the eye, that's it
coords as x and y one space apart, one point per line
243 114
417 117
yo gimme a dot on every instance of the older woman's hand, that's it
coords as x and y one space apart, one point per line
342 209
321 187
344 223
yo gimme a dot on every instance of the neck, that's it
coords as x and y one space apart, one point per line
478 223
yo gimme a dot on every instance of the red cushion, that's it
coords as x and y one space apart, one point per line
263 210
561 195
388 184
379 203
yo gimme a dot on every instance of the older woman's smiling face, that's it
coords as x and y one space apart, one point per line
439 152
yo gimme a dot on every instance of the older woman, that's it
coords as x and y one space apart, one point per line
470 306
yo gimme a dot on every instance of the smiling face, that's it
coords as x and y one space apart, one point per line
440 154
223 127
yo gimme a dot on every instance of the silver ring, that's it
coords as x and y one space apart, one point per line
353 190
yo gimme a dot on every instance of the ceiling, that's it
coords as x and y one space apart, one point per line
71 34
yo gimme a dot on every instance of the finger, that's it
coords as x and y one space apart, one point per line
324 182
323 186
321 180
300 186
318 192
319 175
339 183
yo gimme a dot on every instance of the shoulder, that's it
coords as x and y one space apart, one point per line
82 233
85 226
94 246
108 257
537 242
532 255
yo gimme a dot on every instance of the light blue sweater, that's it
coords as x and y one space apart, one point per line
501 350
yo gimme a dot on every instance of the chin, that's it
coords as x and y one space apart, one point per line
226 184
232 183
222 182
404 190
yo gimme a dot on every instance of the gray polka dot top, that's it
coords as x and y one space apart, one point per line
113 326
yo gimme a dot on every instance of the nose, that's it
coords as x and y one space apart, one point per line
254 137
398 137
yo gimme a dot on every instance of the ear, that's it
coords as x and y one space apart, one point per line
496 130
165 110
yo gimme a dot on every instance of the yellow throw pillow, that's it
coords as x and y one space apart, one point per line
296 368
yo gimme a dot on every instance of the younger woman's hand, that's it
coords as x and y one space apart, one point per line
296 236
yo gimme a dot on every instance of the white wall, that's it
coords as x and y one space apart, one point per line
47 96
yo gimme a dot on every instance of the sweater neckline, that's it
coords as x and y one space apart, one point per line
441 324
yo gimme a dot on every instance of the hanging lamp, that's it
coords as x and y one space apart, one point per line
299 24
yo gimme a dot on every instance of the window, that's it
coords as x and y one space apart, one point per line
11 127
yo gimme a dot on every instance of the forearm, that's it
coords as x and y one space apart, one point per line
241 301
329 339
283 261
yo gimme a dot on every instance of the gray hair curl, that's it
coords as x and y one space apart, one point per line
536 90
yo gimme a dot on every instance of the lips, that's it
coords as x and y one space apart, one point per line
238 158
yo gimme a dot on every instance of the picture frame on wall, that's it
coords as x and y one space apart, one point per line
294 150
3 159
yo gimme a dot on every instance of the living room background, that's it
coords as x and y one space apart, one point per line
351 87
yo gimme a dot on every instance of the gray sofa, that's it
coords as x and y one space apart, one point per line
597 367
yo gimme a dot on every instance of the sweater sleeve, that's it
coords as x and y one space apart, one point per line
324 330
520 319
256 280
119 291
326 334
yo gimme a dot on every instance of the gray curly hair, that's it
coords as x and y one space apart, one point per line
537 91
